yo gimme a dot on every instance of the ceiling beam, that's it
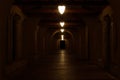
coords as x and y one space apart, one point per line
71 2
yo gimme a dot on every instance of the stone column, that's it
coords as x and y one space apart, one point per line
4 12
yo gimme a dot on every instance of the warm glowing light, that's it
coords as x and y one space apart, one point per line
62 37
62 24
61 9
62 30
62 57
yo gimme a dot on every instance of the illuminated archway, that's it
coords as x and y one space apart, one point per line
68 38
58 31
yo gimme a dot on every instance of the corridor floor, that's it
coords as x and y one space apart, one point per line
63 66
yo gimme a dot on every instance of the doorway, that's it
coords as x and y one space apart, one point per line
62 44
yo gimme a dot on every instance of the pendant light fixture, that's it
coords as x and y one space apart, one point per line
62 37
62 24
62 30
61 9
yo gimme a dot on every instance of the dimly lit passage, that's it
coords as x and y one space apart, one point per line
60 40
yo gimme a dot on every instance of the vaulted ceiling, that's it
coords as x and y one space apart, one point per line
75 9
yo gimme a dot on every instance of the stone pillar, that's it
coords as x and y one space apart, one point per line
29 41
41 39
19 38
94 38
115 5
4 12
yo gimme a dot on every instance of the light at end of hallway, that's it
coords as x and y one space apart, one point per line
62 37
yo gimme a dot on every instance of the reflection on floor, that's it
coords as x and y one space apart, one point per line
63 66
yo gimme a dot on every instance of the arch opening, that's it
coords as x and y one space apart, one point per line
62 45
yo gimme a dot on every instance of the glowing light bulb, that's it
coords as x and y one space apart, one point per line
62 37
61 9
62 24
62 30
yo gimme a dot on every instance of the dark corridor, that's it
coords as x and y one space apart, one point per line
59 40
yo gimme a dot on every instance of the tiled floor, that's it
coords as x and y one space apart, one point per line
63 66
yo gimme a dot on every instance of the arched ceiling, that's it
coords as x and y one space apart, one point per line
75 10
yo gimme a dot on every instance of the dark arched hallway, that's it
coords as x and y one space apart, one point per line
38 42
